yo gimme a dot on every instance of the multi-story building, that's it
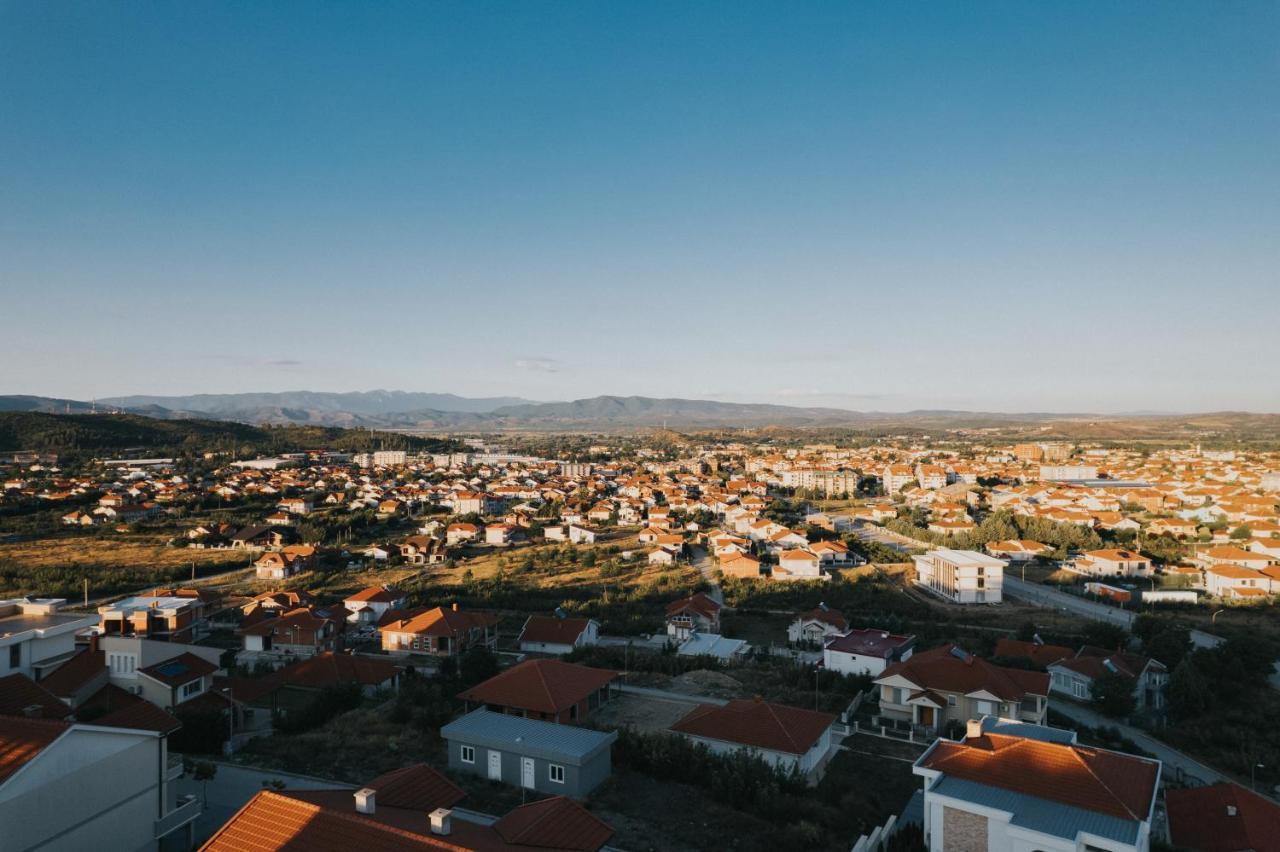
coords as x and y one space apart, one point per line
961 576
36 637
897 477
167 616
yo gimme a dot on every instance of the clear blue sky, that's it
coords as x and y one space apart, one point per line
1009 206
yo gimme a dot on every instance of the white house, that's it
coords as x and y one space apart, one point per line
783 736
866 651
546 634
1018 787
36 637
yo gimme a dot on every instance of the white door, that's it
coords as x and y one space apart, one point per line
495 765
526 772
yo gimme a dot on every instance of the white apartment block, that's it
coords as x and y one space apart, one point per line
961 576
35 637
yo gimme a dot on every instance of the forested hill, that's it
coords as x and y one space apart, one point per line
29 430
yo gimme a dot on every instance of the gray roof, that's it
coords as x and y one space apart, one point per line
1038 814
711 645
1043 733
564 743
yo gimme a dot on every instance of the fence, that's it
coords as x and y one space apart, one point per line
878 837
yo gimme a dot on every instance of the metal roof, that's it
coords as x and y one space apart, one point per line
1037 814
1044 733
530 737
711 644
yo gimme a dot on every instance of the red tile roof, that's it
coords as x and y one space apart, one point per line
376 594
699 604
75 672
330 669
870 642
417 787
826 615
440 621
1041 655
22 739
20 694
113 707
950 668
1200 818
756 723
555 823
541 686
552 630
1106 782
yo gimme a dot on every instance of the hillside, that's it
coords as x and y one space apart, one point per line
105 432
312 404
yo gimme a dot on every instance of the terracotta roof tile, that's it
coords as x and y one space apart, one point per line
776 727
1200 818
22 739
20 694
555 823
542 686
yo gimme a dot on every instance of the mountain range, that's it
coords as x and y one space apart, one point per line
405 411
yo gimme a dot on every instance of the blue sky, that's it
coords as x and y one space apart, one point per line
1005 206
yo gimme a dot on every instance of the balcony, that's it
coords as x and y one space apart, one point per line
173 770
188 808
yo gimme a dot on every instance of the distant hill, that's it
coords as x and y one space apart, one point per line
311 404
684 413
63 433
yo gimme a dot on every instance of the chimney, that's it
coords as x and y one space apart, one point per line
32 711
365 803
1231 810
973 730
441 821
455 606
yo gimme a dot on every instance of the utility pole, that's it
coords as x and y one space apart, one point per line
86 591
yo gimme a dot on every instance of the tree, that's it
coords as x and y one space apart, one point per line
1170 646
1105 635
1112 694
1188 694
1241 532
478 664
204 771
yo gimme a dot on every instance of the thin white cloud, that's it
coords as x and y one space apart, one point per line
537 365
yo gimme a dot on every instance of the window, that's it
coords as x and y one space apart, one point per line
15 656
468 754
192 688
555 772
985 708
951 701
1079 690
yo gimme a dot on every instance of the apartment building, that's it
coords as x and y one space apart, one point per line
961 576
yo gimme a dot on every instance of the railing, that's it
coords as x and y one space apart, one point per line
173 770
188 808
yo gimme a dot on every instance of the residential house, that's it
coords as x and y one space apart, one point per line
440 632
1111 563
1075 676
169 615
740 565
539 756
547 634
285 562
300 632
1023 787
460 533
696 613
176 681
867 651
787 737
1222 817
550 690
961 576
798 565
1036 652
816 625
422 550
408 808
36 636
948 684
68 785
1018 550
368 606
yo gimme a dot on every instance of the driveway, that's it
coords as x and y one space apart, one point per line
701 559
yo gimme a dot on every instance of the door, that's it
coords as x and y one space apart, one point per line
926 716
495 765
526 772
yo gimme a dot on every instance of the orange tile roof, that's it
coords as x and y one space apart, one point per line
22 739
756 723
1199 819
945 670
555 823
18 693
552 630
417 787
541 686
440 621
1108 782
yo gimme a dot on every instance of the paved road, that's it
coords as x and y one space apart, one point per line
701 559
234 786
1176 764
1053 599
870 532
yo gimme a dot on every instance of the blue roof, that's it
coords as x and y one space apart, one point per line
528 736
1038 814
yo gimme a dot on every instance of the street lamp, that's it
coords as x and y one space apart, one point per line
231 720
1213 619
1253 776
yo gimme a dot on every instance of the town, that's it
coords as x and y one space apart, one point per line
652 641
